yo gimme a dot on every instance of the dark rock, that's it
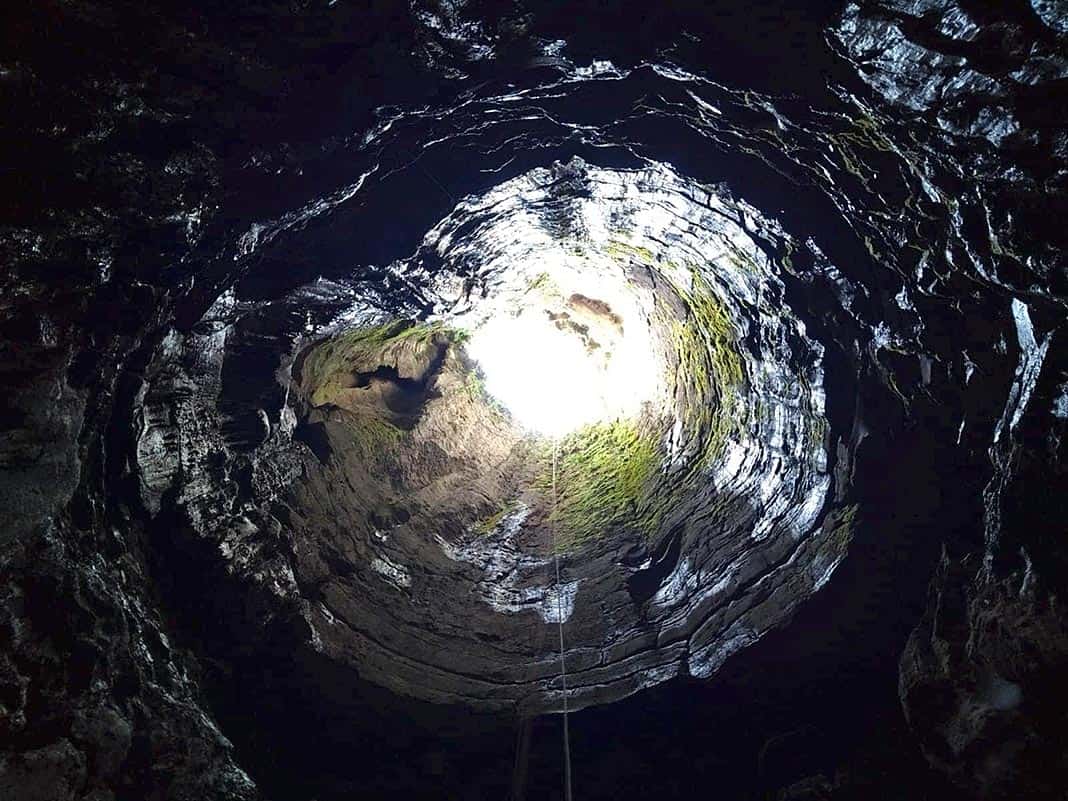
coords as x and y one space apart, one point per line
56 772
978 683
197 580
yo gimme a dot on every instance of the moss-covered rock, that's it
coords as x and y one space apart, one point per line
604 476
408 348
709 372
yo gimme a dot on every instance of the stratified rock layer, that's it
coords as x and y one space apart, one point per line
877 200
399 591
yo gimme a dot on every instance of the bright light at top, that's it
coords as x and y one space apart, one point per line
552 382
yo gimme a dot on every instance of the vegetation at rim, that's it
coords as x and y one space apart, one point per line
607 472
709 374
329 362
624 251
709 367
373 435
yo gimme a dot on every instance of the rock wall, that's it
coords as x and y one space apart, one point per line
899 164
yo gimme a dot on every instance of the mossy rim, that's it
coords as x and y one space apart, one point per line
331 359
608 473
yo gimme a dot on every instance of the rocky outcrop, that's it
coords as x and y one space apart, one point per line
976 676
205 192
383 579
973 71
979 682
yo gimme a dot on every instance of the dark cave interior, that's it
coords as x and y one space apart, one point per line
356 351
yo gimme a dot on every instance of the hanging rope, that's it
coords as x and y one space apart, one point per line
560 629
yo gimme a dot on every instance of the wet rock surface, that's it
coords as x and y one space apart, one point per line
872 549
396 584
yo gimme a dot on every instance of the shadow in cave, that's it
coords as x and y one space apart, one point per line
817 696
814 697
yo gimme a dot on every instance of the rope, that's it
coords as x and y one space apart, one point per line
560 629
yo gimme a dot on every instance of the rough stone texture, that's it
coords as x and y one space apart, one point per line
95 700
37 448
979 682
979 675
183 167
976 676
383 577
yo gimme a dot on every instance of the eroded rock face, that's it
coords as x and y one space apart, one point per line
978 678
877 220
978 674
975 671
367 524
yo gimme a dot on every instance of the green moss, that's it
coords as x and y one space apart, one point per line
709 364
817 432
489 524
374 436
544 284
709 372
604 479
331 362
867 132
841 523
475 386
786 254
623 251
741 260
856 145
847 516
709 368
